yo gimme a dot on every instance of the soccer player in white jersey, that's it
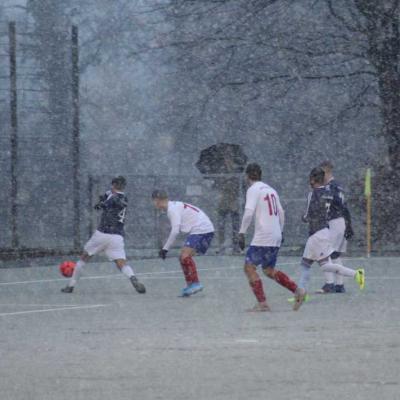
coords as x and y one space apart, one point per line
319 244
109 236
263 202
189 219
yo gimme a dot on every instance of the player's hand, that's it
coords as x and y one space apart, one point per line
241 241
99 205
348 233
304 218
283 239
163 254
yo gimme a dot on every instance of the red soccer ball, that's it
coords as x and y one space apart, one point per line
67 268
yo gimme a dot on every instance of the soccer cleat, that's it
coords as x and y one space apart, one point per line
193 288
140 288
340 289
259 307
67 289
327 288
299 298
307 298
359 277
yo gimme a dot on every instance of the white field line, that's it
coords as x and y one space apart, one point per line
53 309
159 273
36 305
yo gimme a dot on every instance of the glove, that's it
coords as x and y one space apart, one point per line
241 241
99 205
348 233
163 254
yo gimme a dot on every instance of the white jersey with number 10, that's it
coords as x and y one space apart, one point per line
263 200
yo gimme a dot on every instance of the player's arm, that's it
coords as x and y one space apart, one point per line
348 233
249 208
175 220
102 199
306 215
281 213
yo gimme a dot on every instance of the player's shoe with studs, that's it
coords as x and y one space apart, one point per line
67 289
359 277
340 289
327 288
192 289
299 298
140 288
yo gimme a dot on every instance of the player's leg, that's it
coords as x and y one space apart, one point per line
194 244
271 272
84 258
338 243
189 270
115 251
128 272
358 275
336 258
302 287
339 279
254 258
329 285
97 243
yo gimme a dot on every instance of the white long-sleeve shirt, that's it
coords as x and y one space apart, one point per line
263 201
186 218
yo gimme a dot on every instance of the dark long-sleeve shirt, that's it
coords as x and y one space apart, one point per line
318 205
112 218
338 207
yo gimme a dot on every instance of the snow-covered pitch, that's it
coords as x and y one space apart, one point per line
105 341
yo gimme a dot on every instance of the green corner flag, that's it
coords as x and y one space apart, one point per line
368 190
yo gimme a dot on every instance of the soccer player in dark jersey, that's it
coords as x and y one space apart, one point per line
318 247
339 227
109 236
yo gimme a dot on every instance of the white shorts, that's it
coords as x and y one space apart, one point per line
113 245
318 246
337 227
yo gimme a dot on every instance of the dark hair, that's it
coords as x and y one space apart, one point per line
326 164
159 194
119 181
254 172
317 174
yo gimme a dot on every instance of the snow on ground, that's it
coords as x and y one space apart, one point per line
105 341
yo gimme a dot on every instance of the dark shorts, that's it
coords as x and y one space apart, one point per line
266 256
200 243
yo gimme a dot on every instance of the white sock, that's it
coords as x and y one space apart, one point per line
77 273
339 278
127 270
329 277
339 269
305 276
